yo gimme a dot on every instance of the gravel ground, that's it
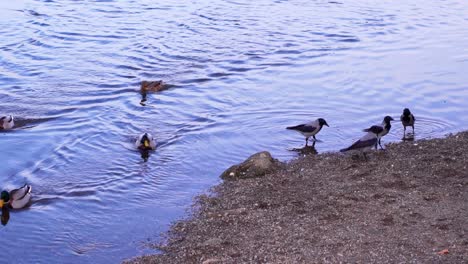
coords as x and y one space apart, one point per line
406 204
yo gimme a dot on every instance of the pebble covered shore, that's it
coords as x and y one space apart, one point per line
406 204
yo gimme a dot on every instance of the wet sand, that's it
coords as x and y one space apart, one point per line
406 204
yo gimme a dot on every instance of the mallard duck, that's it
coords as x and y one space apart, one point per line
154 86
17 198
6 122
145 142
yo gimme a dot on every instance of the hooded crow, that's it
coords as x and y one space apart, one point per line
385 129
367 142
310 129
6 122
407 119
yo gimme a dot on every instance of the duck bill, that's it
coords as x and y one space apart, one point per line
1 203
146 143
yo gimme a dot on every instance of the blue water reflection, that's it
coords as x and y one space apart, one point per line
240 71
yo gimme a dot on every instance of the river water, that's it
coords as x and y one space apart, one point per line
240 72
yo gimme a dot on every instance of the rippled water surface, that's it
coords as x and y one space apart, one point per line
240 72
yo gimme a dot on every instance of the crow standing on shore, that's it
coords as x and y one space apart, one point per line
365 143
407 119
310 129
385 129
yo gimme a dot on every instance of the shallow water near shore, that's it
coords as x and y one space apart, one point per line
240 73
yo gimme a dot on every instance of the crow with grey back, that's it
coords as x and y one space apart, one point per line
407 119
310 129
384 128
367 142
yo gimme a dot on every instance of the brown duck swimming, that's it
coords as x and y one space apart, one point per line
147 87
155 86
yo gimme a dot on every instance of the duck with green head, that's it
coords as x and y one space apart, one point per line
17 198
145 142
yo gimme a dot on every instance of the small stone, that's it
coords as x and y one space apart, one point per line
212 261
256 165
212 242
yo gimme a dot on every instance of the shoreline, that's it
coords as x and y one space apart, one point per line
407 203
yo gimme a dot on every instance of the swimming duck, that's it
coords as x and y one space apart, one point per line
17 198
154 86
145 142
6 122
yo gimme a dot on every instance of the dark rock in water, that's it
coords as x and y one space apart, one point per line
256 165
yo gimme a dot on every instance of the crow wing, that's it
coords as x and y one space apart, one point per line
303 128
361 144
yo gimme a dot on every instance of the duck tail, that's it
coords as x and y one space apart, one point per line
344 150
